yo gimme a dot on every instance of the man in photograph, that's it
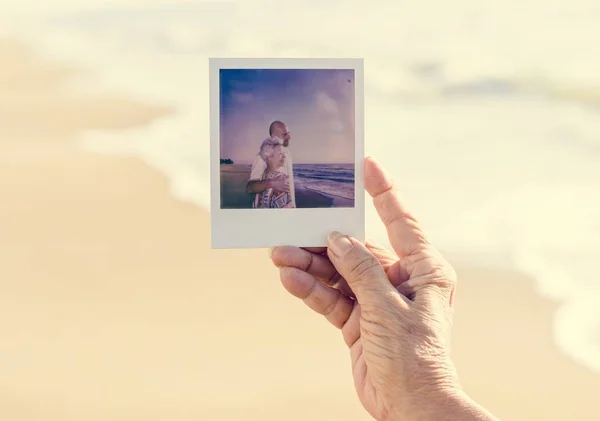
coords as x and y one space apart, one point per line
258 183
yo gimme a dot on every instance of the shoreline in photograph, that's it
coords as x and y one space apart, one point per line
113 306
233 180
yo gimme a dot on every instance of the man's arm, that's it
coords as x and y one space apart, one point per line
256 184
279 183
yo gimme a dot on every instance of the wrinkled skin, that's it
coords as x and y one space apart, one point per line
394 309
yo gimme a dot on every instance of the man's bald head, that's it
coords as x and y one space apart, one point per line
276 128
280 130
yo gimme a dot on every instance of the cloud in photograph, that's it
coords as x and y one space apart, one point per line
326 104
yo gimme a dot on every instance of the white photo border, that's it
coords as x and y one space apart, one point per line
304 227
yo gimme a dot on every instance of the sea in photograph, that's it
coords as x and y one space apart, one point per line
335 180
492 129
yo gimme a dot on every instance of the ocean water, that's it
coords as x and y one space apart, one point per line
331 179
487 113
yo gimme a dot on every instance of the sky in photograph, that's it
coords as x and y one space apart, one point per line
316 104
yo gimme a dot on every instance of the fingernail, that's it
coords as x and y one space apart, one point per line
339 244
271 250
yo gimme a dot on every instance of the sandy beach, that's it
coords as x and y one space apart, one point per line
234 178
113 306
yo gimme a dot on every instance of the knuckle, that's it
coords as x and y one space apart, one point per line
362 266
329 308
443 274
400 216
433 267
439 272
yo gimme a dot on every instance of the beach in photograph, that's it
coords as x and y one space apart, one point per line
312 190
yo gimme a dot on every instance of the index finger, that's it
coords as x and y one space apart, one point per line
404 231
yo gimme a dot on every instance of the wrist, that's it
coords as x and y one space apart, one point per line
451 406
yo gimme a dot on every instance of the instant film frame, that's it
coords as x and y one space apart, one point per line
301 227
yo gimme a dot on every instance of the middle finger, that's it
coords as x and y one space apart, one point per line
315 264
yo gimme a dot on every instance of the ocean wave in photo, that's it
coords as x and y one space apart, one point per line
486 113
330 179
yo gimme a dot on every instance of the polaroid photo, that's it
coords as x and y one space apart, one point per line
287 151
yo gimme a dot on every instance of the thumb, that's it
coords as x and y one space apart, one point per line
360 268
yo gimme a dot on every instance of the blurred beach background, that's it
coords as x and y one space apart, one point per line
113 306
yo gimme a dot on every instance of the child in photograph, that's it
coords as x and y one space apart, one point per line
272 172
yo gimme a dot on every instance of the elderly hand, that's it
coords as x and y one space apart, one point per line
394 311
281 183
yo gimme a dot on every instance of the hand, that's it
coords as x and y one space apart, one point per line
280 183
394 310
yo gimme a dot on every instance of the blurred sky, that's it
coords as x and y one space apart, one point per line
34 6
316 104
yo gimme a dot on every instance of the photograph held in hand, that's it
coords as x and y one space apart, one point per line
288 137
